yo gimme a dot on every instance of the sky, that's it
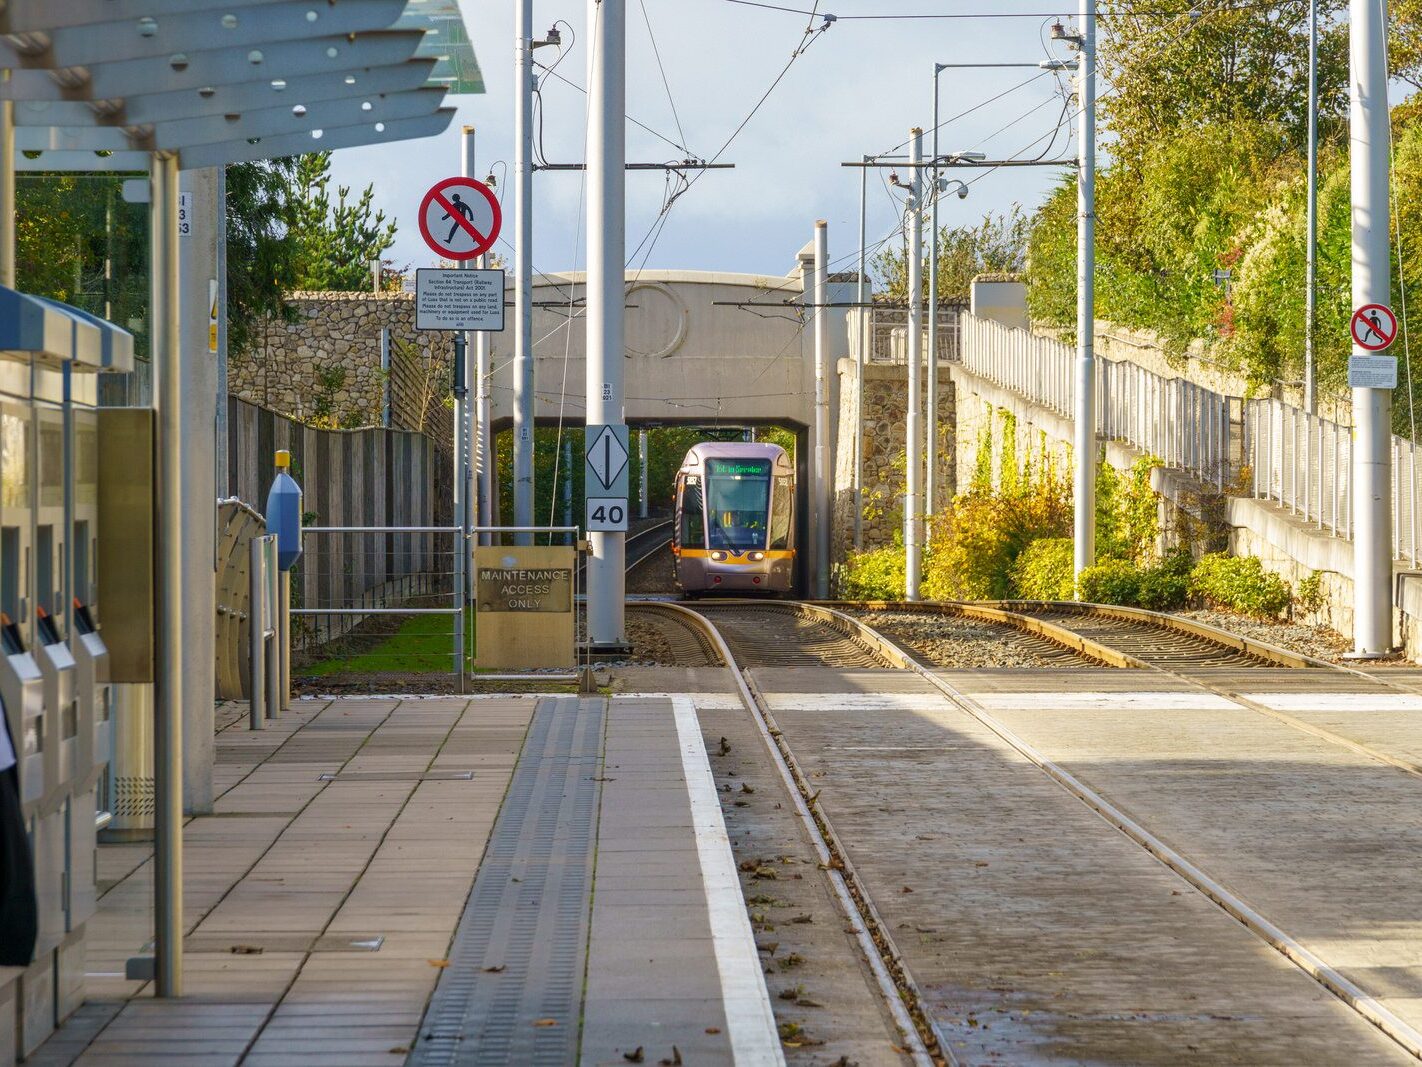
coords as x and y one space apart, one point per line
857 88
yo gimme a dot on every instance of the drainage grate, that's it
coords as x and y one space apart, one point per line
520 951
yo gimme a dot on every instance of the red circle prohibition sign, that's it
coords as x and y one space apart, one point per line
445 198
1374 327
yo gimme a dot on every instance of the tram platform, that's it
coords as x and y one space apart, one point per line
442 881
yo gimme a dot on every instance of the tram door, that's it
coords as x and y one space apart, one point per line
689 533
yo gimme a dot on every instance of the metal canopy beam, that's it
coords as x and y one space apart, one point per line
216 155
186 134
42 16
110 86
224 99
201 70
238 25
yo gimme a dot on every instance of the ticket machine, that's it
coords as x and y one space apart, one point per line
49 356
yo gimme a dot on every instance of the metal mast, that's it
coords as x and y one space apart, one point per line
1084 483
1372 284
607 239
913 499
523 390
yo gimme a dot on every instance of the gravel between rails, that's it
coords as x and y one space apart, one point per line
1319 641
967 644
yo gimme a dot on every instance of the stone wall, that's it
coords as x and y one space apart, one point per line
325 364
883 436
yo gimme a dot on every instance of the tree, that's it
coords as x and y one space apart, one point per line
1188 64
997 245
261 263
333 244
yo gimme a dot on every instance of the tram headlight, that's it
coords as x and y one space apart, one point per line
755 557
719 556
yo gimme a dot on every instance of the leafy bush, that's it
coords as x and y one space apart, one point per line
877 574
975 541
1043 570
1311 596
1112 581
1239 583
1166 586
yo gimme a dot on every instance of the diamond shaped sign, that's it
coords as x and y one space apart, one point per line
607 456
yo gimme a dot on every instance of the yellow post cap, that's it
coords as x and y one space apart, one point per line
283 459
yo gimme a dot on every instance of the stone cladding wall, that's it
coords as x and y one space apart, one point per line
329 357
883 434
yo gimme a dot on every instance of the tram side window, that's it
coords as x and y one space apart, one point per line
693 523
781 514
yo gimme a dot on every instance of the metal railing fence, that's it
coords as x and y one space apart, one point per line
1186 425
888 334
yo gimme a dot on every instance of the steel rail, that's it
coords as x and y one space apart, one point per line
1354 996
1096 649
885 961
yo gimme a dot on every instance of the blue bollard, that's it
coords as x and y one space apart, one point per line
284 513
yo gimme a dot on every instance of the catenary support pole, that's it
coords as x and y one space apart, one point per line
930 483
197 465
1311 255
568 487
1372 408
224 459
523 383
641 474
607 239
824 510
1084 481
7 190
913 452
168 680
864 320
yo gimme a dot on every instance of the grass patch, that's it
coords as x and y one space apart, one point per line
421 644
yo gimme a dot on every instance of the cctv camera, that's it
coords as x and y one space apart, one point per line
963 193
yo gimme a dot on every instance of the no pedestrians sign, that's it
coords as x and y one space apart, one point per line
1374 327
460 218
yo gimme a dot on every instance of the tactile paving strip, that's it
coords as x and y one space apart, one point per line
512 993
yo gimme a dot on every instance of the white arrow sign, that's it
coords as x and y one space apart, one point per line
607 457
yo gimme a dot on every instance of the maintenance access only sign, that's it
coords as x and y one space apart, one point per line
605 478
454 299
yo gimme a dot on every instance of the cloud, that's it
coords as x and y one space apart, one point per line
858 88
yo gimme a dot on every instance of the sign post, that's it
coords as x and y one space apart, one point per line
605 476
460 219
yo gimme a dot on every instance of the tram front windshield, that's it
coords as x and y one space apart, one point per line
737 502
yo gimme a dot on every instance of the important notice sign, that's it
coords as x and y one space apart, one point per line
451 299
524 605
1372 372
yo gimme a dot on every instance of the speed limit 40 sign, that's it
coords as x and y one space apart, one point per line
607 514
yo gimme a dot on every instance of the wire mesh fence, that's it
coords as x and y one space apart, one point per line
379 599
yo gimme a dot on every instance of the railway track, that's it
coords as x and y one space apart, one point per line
787 634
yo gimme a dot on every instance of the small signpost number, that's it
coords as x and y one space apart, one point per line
607 514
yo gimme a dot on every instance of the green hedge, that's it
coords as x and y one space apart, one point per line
877 574
1239 583
1043 570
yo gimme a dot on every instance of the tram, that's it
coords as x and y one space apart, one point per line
735 519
